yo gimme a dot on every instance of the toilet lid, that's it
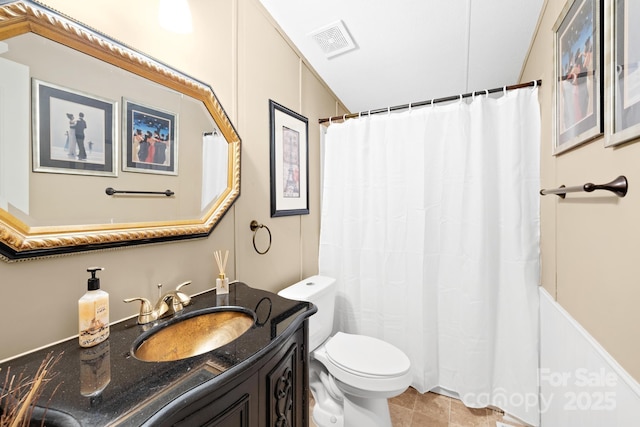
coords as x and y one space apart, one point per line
366 356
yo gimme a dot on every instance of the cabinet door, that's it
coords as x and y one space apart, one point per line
237 408
285 385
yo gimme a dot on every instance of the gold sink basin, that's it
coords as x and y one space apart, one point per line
196 333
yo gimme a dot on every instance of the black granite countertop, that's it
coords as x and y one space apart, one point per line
136 390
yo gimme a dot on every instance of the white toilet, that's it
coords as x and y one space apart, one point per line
350 376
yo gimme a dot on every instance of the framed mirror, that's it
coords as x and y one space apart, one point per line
102 146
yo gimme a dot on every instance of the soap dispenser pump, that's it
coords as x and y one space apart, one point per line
93 312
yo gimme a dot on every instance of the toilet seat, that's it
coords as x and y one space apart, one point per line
365 366
366 356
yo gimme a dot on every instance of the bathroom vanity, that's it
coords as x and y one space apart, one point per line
258 379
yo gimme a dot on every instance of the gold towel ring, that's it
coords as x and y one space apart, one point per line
254 226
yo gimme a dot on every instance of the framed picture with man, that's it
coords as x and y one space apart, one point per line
73 132
150 142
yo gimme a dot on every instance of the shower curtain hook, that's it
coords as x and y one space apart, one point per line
487 92
330 120
504 90
535 84
359 114
410 107
344 117
431 102
389 111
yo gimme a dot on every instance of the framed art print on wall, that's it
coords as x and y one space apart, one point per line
578 107
289 161
150 143
73 132
624 121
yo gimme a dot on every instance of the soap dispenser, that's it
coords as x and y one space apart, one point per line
93 312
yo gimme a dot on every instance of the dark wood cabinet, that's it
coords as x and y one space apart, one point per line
284 382
272 393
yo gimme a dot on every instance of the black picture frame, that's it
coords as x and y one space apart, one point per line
60 144
289 163
579 88
150 139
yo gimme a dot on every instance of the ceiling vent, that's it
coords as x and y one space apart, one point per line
333 39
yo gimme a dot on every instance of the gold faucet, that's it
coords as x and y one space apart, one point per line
168 304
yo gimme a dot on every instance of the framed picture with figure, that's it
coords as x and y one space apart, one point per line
624 108
73 132
150 143
289 161
578 106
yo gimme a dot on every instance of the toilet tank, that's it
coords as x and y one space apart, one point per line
321 291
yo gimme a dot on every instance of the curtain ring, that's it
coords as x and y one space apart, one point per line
330 120
344 118
487 92
254 226
410 107
535 84
504 90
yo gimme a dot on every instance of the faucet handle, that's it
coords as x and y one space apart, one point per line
184 298
146 310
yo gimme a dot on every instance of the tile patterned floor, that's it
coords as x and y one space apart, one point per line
413 409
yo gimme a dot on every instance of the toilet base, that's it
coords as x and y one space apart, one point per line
323 418
371 412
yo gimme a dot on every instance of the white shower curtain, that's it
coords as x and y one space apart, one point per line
430 224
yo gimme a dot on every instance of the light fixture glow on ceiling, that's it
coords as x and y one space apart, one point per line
175 16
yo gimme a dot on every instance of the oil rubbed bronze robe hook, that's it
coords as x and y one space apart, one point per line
619 186
255 226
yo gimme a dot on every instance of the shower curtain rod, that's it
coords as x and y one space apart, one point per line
432 101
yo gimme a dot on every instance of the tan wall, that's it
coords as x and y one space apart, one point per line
236 49
590 242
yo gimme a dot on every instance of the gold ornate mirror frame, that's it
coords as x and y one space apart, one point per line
20 241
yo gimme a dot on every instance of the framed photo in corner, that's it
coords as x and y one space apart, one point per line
578 106
149 139
289 161
624 122
73 132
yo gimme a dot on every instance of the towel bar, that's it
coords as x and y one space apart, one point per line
618 186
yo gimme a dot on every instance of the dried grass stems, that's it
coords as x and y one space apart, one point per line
19 394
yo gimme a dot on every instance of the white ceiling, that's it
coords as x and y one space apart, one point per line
413 50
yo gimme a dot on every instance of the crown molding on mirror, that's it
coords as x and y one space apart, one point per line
20 241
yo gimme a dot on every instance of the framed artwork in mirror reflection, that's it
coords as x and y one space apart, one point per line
625 72
73 132
150 143
289 161
578 106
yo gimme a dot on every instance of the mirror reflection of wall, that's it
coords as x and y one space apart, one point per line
64 199
14 122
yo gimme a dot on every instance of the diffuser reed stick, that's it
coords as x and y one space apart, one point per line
222 262
222 282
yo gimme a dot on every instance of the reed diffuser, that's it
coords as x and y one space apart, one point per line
222 282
